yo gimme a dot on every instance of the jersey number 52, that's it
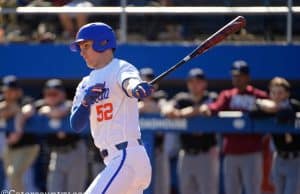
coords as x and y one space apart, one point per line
104 112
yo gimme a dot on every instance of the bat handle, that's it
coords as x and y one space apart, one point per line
167 72
155 80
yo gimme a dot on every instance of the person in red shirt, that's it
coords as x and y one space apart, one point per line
243 152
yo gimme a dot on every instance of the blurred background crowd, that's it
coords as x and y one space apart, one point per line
184 163
62 27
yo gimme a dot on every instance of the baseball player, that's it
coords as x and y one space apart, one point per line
242 152
108 99
152 105
286 165
198 162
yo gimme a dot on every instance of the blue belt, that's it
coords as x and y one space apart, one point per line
120 146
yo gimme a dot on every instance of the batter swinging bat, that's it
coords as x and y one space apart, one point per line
233 26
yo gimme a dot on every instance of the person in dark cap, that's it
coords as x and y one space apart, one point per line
151 104
5 83
198 166
196 73
65 171
240 66
243 152
240 74
147 73
10 81
55 84
22 147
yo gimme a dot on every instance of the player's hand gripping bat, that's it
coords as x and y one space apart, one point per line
233 26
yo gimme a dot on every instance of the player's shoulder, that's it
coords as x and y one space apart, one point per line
257 92
229 92
121 63
124 67
83 81
85 78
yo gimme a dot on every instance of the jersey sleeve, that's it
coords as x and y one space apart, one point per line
260 94
79 94
127 71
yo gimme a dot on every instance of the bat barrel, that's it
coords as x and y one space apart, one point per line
233 26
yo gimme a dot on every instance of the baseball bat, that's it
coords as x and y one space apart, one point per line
233 26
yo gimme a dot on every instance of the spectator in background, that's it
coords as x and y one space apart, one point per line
286 169
2 146
198 165
148 105
10 29
243 152
66 20
68 158
22 148
161 167
95 161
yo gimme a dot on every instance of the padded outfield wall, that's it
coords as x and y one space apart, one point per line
41 61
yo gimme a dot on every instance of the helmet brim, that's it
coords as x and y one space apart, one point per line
74 47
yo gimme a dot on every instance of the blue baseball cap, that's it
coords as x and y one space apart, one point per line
54 84
240 67
196 73
10 81
147 72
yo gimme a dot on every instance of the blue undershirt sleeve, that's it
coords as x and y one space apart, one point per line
79 118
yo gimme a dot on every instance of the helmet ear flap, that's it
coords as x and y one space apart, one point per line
100 46
103 43
94 45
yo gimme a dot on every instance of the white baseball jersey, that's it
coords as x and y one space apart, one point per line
114 119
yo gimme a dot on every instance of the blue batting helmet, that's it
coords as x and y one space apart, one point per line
101 34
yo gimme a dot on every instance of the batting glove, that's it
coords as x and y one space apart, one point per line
92 94
142 90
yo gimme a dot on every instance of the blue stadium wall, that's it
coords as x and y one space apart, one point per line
40 61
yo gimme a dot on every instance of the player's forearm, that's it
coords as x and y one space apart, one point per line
129 84
267 105
189 111
79 118
135 87
219 105
204 110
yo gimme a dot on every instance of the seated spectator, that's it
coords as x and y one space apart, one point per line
10 28
66 20
21 28
68 158
286 169
22 148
